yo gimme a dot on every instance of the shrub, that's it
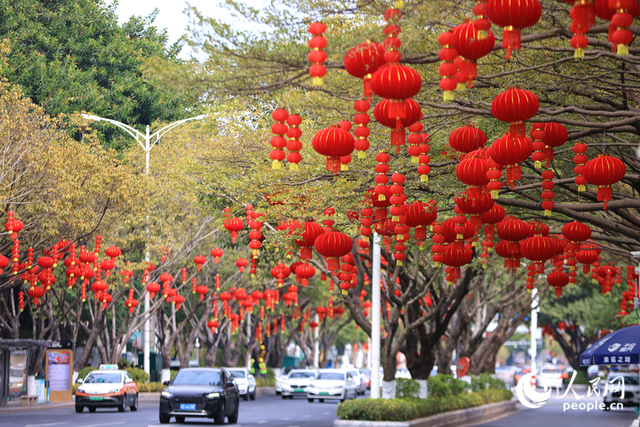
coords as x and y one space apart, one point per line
582 377
85 371
150 387
407 388
138 375
265 382
412 408
173 375
271 375
486 382
445 385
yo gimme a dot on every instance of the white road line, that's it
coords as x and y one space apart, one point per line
286 418
262 422
45 425
325 413
306 416
101 425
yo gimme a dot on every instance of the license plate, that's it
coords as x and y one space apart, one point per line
324 393
96 398
187 406
298 390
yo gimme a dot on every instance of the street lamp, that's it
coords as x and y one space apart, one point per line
145 141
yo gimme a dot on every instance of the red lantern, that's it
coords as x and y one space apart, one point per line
547 194
361 131
555 135
278 142
471 47
513 15
216 253
538 249
234 225
412 113
576 231
604 171
200 260
515 106
35 293
241 263
467 138
317 56
421 215
309 235
448 69
305 272
333 142
202 290
475 203
332 245
580 159
362 61
558 279
293 144
510 150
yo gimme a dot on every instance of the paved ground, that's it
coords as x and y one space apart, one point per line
267 411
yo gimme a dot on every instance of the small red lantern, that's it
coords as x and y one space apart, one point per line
293 144
216 253
113 252
241 263
278 142
200 260
202 290
307 238
510 150
361 131
305 272
514 106
178 300
234 225
467 138
412 113
471 47
558 279
317 56
421 215
604 171
580 159
448 69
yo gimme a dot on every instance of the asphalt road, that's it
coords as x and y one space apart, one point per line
561 412
265 411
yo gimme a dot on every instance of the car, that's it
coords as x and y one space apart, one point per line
549 376
366 373
202 393
520 373
107 387
332 384
245 381
622 388
361 386
296 383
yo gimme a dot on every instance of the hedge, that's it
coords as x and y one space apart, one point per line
405 409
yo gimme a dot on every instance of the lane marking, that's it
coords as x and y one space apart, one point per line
101 425
49 424
262 422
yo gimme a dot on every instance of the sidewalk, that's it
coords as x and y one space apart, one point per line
14 405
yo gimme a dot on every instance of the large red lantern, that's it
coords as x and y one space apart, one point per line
305 272
396 83
510 150
471 47
558 279
412 113
309 235
234 225
512 16
604 171
538 249
421 215
332 245
333 142
576 231
555 135
515 106
467 138
475 203
362 61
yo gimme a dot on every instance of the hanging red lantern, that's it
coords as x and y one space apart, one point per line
587 256
202 290
555 135
280 272
547 194
538 249
216 253
421 215
234 225
310 233
474 204
604 171
332 245
515 106
293 144
537 136
21 301
424 159
362 61
317 56
576 231
448 69
512 16
467 138
558 279
113 252
35 293
305 272
333 142
580 159
200 260
241 263
412 113
510 150
278 142
471 47
361 131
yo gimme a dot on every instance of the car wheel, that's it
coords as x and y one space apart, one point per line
278 393
245 397
284 397
121 405
179 419
310 399
79 408
92 409
233 418
164 418
252 396
134 405
218 417
321 400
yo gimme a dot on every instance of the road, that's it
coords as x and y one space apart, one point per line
265 411
559 412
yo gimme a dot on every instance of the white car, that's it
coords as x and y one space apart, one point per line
332 384
619 394
549 376
245 381
361 385
107 387
295 383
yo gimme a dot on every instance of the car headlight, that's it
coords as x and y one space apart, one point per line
213 395
166 394
80 389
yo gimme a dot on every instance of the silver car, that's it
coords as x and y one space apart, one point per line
332 384
245 381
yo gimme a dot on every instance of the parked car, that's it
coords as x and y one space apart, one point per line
245 381
614 387
334 384
200 392
361 386
107 387
296 383
549 376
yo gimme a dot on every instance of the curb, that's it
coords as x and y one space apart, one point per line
265 391
447 419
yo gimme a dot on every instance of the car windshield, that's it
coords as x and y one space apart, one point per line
238 374
551 371
197 378
331 376
628 380
103 378
302 375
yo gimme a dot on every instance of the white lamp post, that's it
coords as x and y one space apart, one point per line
147 142
375 319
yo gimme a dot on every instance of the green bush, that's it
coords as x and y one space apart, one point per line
581 378
85 371
486 382
138 375
445 385
271 375
150 387
412 408
265 382
173 374
407 388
